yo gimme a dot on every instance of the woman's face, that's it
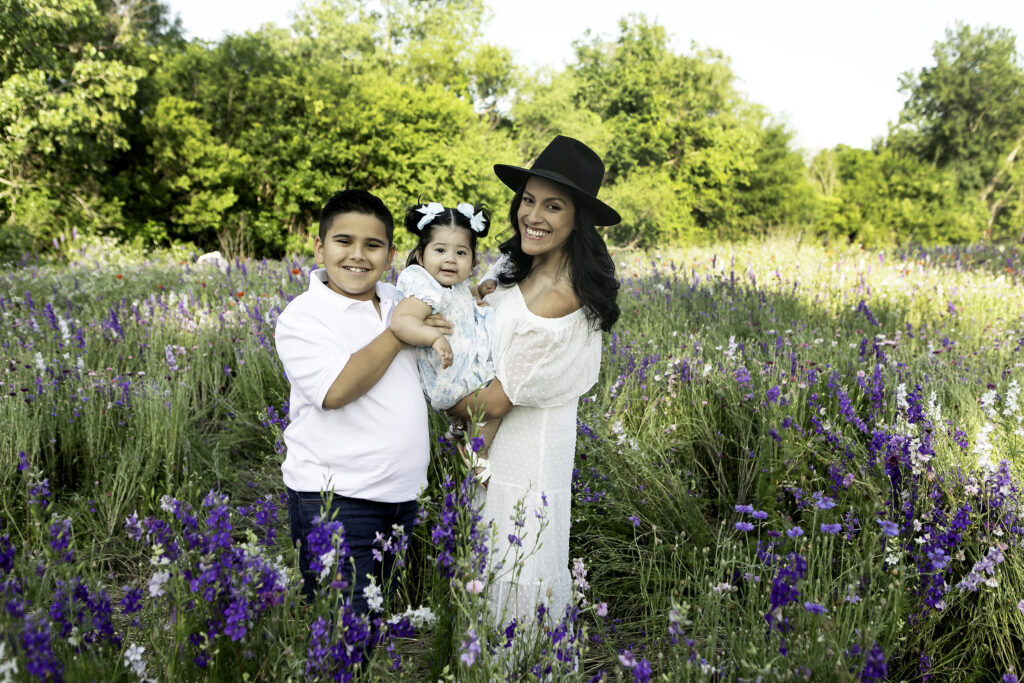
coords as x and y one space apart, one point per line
546 216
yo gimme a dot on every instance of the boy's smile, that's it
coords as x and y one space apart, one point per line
355 252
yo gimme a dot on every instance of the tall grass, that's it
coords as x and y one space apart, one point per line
798 463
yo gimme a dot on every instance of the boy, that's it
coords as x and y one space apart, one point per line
358 417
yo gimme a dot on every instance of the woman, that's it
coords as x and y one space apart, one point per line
555 292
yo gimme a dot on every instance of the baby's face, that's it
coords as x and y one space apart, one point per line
448 256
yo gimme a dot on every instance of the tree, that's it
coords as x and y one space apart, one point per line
677 119
966 113
313 110
70 75
878 197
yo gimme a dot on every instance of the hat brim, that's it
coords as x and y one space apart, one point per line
515 177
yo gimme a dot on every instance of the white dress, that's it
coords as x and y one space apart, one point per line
470 340
545 365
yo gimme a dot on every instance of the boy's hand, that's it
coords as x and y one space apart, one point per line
444 349
439 321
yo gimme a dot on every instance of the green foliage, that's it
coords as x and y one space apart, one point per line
113 124
686 154
70 74
966 113
194 174
884 197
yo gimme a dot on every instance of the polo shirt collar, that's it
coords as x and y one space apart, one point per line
318 288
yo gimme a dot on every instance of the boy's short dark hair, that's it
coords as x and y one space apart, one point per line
356 201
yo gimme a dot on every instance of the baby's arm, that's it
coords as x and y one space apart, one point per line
407 323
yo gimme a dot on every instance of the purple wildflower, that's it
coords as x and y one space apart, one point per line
815 607
875 668
470 648
888 528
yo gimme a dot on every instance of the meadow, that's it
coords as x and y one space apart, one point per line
800 463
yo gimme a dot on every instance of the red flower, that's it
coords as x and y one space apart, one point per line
119 276
295 271
240 294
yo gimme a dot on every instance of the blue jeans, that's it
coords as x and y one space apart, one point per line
362 520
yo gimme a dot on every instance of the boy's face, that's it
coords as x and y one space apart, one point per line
355 252
448 256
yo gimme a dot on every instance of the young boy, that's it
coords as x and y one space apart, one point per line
358 417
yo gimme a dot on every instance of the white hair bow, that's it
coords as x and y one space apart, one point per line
477 222
429 212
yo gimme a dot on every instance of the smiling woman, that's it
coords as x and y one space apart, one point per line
555 292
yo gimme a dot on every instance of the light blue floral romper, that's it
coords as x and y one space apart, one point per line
472 366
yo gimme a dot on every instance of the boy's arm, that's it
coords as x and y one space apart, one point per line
363 370
407 323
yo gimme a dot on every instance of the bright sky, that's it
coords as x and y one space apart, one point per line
829 69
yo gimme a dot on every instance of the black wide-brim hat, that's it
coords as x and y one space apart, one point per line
569 162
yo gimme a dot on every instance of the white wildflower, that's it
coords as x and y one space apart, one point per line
983 447
988 400
134 661
901 397
374 596
1010 405
8 668
40 364
156 583
420 617
730 353
934 409
327 563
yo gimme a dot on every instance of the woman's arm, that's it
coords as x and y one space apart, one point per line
486 403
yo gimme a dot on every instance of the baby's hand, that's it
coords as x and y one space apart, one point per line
486 287
444 349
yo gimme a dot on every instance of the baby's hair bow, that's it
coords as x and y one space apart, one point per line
430 211
477 222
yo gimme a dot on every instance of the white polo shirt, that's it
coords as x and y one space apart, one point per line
376 447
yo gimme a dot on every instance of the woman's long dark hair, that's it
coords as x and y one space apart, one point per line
591 268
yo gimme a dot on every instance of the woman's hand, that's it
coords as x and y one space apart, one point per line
444 349
485 288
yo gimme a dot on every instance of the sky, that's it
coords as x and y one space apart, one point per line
829 69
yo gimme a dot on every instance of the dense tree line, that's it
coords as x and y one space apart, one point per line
113 123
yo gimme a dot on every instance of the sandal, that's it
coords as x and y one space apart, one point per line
480 467
456 430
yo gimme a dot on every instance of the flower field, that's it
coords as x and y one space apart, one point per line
799 463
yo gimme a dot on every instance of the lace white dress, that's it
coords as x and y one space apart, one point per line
545 365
